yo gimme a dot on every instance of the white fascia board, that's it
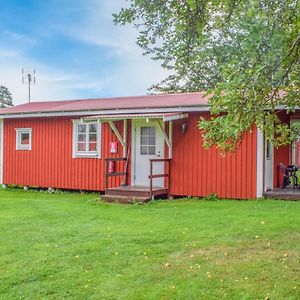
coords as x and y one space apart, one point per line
176 117
259 164
112 111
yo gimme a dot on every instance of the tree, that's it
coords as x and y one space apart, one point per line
5 97
245 53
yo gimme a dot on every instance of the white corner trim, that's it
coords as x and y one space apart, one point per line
259 164
1 150
76 154
19 146
171 139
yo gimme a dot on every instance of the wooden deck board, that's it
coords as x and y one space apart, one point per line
284 194
133 193
136 188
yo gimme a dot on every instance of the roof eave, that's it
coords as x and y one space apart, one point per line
195 108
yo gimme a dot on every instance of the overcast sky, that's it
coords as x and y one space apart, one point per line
75 48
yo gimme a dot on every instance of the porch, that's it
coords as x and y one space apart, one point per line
133 194
143 171
288 193
137 193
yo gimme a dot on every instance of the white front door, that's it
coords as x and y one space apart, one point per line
148 143
269 165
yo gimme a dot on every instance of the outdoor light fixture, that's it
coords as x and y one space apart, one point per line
184 128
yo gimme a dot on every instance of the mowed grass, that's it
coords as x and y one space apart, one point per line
70 246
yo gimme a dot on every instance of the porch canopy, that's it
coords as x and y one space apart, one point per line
159 118
118 117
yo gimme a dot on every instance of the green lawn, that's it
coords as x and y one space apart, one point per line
71 246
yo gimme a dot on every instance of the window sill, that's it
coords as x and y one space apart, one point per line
86 155
23 149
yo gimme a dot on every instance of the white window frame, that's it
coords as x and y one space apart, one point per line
147 145
86 154
19 132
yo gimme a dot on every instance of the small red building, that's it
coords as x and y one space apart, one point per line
91 144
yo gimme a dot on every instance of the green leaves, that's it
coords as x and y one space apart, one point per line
244 52
5 97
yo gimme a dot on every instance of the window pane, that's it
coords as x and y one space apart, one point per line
81 137
81 147
151 150
25 138
144 150
93 147
152 131
144 140
152 140
81 128
144 131
93 128
93 137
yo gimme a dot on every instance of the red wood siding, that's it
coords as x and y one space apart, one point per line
50 163
297 153
196 171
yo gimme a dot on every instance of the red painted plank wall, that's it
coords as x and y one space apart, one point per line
196 171
50 163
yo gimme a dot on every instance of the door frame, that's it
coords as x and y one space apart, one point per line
266 143
133 148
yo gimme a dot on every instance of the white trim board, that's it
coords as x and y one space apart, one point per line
1 150
75 153
19 145
205 108
259 164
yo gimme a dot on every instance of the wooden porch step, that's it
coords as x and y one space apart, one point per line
283 194
138 192
133 194
124 199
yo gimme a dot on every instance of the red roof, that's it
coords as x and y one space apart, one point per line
149 101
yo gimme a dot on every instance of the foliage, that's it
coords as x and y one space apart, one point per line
65 246
212 197
243 52
295 126
5 97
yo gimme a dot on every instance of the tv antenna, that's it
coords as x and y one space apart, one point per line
28 77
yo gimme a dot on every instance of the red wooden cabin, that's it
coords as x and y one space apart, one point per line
90 144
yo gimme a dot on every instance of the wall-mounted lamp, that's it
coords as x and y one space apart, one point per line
184 128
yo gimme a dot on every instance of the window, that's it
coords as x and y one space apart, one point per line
148 140
86 141
23 138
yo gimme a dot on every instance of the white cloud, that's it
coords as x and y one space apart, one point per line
133 74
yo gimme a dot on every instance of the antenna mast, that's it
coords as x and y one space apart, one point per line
28 77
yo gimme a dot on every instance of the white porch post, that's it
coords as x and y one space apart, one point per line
125 137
